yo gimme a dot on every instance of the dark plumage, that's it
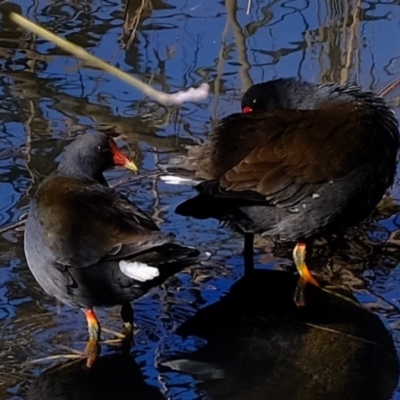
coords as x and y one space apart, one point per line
302 159
82 237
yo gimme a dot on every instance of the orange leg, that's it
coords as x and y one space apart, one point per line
299 256
92 349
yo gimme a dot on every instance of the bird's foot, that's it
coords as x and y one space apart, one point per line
299 297
127 341
92 349
92 352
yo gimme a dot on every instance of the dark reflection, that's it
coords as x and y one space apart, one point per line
136 128
112 377
260 346
136 11
10 38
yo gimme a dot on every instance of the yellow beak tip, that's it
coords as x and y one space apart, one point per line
131 166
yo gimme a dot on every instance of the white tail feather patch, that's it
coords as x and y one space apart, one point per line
138 271
178 180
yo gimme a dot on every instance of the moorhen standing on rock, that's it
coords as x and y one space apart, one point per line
302 159
88 245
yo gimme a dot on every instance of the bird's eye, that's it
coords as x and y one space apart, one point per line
102 149
254 101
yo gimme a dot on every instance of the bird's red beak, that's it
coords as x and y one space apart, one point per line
121 159
246 110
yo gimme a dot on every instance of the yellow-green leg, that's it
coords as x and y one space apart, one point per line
92 349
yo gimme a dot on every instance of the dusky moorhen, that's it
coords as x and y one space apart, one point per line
87 245
300 160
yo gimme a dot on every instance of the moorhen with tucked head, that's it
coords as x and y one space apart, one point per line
87 245
302 159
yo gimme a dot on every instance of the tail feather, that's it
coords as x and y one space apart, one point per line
171 256
130 279
202 207
149 241
187 169
168 259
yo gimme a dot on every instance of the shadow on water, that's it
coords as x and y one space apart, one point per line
261 346
112 377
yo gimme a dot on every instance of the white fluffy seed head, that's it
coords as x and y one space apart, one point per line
138 271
